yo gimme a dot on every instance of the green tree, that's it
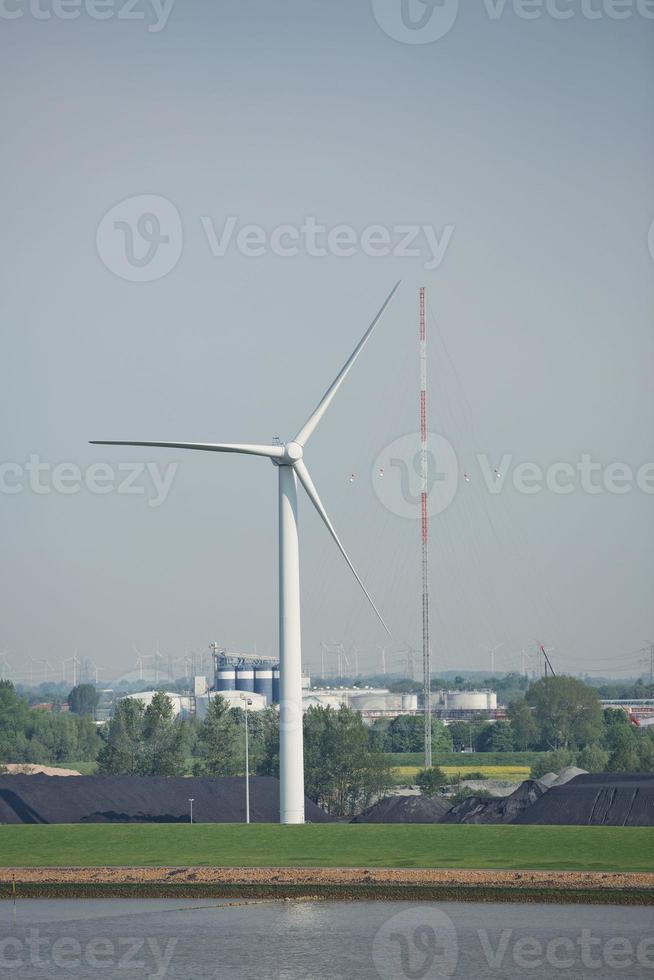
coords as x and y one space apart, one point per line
431 780
218 743
164 744
593 758
121 754
14 718
496 737
264 742
341 773
523 724
462 736
567 711
624 756
83 700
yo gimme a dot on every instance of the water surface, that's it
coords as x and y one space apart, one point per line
298 940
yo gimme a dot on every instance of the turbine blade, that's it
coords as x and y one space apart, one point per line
274 452
306 481
305 432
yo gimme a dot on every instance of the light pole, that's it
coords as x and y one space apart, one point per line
190 799
248 701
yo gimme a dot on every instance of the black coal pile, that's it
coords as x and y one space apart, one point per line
405 809
602 800
140 799
496 809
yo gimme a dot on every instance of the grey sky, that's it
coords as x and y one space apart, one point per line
524 146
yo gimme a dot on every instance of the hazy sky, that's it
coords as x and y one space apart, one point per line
515 153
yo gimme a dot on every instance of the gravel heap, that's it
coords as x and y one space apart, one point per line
140 799
600 800
503 809
405 809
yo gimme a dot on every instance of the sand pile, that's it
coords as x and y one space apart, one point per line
29 769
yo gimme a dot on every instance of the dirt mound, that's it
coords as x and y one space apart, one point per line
600 800
405 809
140 799
503 809
28 769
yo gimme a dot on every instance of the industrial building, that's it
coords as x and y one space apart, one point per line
240 675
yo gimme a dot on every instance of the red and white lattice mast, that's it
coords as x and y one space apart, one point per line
424 494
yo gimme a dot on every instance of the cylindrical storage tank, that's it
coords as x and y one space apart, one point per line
225 679
409 702
244 679
276 685
492 700
467 700
263 683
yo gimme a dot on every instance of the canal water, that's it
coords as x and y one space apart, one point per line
302 940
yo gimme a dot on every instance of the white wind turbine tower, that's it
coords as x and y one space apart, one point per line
289 459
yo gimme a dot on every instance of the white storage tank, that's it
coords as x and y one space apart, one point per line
409 702
471 700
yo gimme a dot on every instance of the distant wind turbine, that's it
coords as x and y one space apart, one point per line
289 458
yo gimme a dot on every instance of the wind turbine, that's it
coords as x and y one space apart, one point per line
288 457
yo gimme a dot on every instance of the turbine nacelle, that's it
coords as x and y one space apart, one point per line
293 453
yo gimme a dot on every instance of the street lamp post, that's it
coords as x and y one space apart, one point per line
191 804
248 701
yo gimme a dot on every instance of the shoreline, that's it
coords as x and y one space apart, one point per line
345 884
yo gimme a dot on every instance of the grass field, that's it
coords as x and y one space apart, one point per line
513 774
336 845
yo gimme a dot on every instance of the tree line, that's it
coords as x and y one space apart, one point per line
343 772
31 735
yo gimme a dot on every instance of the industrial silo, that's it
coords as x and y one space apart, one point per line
225 679
263 683
276 685
245 679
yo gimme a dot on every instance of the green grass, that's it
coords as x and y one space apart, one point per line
335 845
461 759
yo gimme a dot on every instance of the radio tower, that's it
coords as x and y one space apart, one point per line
424 474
